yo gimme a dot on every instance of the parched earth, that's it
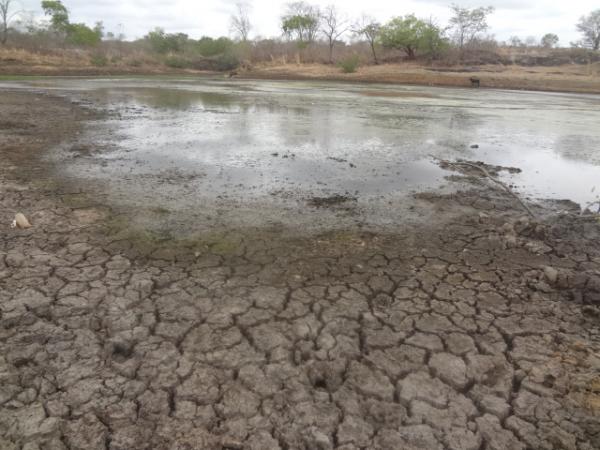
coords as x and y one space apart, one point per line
477 332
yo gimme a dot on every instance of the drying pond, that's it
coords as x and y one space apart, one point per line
216 151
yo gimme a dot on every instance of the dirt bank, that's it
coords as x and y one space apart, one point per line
477 332
572 78
575 78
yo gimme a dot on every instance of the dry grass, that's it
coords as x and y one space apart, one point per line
571 78
583 78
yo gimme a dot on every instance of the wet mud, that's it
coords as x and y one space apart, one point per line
478 328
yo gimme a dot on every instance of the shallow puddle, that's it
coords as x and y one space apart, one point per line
178 144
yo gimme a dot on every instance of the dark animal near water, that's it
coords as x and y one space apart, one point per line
475 82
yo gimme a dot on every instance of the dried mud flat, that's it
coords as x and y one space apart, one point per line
476 332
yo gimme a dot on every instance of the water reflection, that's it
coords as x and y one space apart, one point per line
253 138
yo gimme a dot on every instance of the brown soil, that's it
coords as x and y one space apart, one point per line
571 78
477 332
565 78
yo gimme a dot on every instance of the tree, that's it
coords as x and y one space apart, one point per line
531 41
515 41
411 35
589 26
467 23
301 23
162 42
208 46
549 40
333 26
433 42
6 16
240 21
368 28
59 15
82 35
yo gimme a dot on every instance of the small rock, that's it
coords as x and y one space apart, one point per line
551 274
475 146
21 221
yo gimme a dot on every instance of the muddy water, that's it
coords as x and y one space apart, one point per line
208 151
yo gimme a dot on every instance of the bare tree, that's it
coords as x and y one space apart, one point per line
333 25
6 17
467 23
240 21
589 26
531 41
369 29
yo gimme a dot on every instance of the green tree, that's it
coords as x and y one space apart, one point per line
411 35
208 46
589 26
549 40
301 23
82 35
161 42
59 15
467 23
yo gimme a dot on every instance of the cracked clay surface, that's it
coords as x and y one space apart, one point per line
480 332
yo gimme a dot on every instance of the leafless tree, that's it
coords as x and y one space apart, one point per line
369 29
6 16
240 21
333 26
468 24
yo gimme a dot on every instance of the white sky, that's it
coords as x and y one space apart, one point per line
211 18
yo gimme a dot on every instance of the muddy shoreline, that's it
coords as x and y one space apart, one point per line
477 330
541 79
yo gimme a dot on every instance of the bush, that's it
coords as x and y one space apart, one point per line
81 35
208 46
99 60
162 42
350 64
176 62
227 61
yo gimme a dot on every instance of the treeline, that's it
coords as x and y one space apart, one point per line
308 34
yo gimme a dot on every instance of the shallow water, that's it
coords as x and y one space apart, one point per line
177 143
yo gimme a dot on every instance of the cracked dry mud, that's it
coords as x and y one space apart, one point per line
477 332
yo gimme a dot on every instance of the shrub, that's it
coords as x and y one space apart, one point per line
349 64
162 42
227 61
177 62
208 46
99 60
81 35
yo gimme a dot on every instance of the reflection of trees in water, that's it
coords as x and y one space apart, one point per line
579 147
183 99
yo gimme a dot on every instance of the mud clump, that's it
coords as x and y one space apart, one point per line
331 201
469 168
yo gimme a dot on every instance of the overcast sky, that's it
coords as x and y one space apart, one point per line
211 17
